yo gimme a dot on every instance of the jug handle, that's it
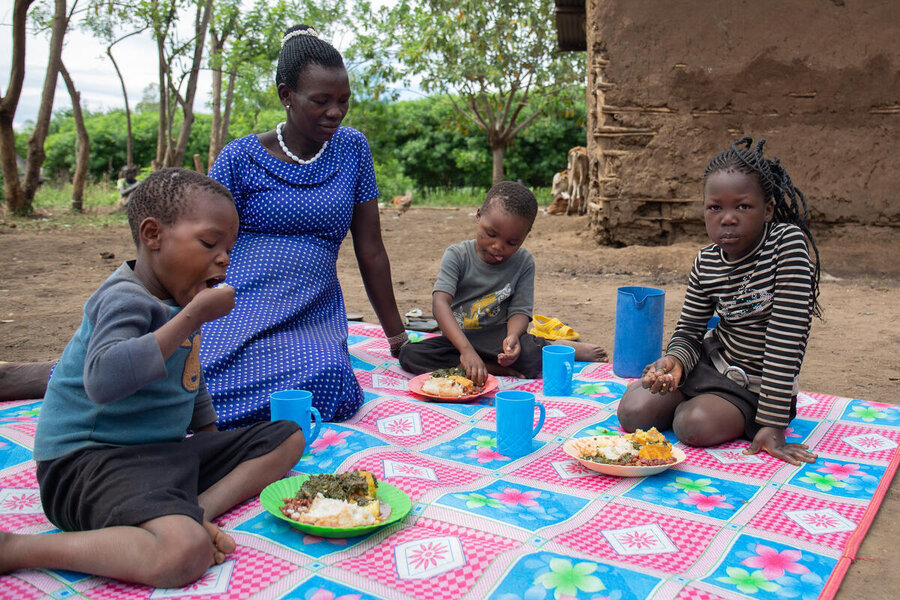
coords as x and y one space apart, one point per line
540 422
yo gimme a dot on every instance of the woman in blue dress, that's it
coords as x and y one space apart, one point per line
298 190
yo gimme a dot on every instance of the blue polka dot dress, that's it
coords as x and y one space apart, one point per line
288 329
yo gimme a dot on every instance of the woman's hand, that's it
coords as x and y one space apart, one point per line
662 376
511 351
771 439
474 366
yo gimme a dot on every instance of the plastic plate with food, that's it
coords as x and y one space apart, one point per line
336 505
637 454
450 385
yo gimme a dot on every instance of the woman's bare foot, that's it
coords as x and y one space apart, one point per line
585 352
24 381
223 542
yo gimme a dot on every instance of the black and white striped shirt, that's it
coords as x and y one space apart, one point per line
765 303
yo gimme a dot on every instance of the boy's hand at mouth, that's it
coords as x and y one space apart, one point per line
211 303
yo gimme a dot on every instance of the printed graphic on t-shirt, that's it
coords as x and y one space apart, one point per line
485 307
745 303
190 379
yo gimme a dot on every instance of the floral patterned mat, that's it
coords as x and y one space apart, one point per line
720 526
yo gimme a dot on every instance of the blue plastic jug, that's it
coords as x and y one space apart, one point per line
639 329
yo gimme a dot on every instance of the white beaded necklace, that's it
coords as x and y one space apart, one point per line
290 154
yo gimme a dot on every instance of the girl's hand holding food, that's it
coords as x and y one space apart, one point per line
662 376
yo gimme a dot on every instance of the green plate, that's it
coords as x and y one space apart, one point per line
272 499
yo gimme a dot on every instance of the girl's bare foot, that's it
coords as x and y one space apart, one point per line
585 352
223 542
24 381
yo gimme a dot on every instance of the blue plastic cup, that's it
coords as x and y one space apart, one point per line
515 417
296 406
558 367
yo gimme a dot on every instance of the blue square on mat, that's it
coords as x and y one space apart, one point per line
767 569
871 413
603 392
23 413
475 447
358 363
12 454
799 429
519 505
694 493
276 530
353 339
843 478
546 575
319 587
332 446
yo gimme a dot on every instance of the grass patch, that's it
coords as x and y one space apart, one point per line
53 208
53 205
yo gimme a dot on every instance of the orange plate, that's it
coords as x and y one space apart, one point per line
415 385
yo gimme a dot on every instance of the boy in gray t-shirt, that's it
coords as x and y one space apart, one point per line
483 298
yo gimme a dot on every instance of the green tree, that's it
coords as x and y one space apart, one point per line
496 62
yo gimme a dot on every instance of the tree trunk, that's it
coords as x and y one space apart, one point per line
129 138
187 106
84 142
215 51
35 159
161 135
498 150
12 187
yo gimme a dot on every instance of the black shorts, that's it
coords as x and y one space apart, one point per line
105 486
438 352
704 378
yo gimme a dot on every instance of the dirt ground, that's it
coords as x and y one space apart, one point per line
46 275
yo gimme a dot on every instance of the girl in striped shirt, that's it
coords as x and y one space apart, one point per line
739 378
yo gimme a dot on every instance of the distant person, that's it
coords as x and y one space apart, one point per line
126 184
738 379
484 295
299 189
134 497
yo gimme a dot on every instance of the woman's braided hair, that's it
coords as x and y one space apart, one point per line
776 185
298 51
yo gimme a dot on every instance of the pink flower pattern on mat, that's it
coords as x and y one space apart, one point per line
839 471
871 442
330 438
205 579
706 503
400 426
820 520
427 555
638 539
774 563
26 500
486 455
323 594
514 496
789 432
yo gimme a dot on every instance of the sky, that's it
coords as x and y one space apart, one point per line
90 68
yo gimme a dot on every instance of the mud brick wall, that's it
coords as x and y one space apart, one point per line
672 83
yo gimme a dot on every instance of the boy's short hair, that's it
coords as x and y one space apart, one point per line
163 196
514 198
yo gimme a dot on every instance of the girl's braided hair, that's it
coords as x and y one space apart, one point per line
776 185
298 51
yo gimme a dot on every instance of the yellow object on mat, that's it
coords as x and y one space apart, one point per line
551 329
